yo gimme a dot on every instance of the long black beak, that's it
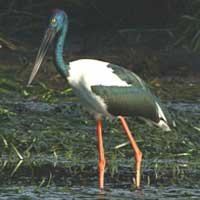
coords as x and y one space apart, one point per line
48 38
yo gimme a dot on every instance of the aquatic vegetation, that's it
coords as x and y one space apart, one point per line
48 139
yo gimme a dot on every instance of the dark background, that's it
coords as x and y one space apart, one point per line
90 14
154 34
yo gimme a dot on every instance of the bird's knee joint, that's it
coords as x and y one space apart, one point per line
138 156
102 164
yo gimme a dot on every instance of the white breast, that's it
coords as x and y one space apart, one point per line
86 73
93 72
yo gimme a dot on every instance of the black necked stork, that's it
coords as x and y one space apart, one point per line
104 89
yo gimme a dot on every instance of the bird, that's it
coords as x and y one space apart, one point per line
105 89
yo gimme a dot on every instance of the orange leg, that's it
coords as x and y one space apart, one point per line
102 161
138 153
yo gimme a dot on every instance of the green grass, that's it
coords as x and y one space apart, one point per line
188 27
55 132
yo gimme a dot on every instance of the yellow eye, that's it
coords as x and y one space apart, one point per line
53 21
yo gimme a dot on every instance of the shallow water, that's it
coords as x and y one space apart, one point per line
48 177
48 150
57 193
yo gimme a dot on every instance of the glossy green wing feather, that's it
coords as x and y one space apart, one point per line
134 80
128 76
128 101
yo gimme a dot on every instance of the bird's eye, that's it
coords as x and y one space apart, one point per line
53 21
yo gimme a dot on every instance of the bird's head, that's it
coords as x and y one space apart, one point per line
57 21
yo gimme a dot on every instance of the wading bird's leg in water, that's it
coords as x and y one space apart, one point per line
102 161
138 153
